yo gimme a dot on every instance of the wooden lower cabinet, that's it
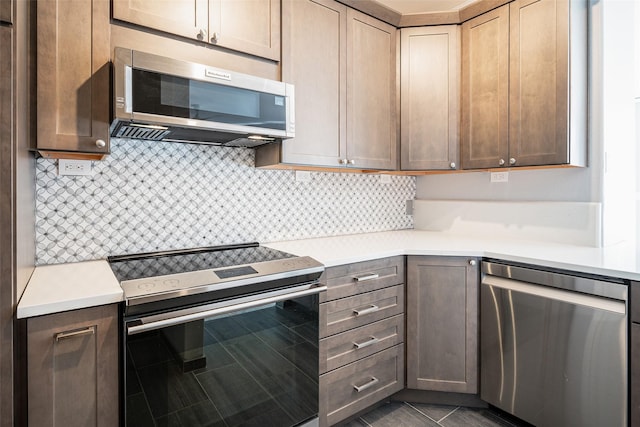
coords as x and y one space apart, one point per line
356 386
442 323
72 363
361 337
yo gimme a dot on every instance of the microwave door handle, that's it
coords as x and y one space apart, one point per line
167 320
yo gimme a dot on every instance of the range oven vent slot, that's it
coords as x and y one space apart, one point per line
138 132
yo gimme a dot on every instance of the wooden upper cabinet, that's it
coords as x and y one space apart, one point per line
6 11
485 90
524 85
539 82
316 29
371 93
186 18
430 94
343 66
249 26
73 78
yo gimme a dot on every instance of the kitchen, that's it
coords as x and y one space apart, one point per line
149 210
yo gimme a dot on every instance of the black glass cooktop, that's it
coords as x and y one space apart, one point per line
139 266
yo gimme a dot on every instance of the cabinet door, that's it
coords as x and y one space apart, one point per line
372 131
187 18
539 82
72 362
314 60
250 26
429 89
442 324
635 375
73 77
485 90
6 12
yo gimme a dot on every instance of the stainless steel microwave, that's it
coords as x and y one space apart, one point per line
164 99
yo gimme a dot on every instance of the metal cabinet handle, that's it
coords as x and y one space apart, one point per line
512 161
371 341
100 143
452 165
472 262
501 162
214 38
373 308
352 162
202 34
77 333
342 161
373 381
364 278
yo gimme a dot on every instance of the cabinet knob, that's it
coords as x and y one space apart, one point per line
512 161
342 161
214 38
352 162
501 162
100 143
452 165
202 35
472 262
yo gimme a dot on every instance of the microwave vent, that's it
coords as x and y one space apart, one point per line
137 132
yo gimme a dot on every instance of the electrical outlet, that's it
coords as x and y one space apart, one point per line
409 209
385 179
303 176
74 167
499 176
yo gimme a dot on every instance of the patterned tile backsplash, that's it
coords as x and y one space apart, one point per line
149 196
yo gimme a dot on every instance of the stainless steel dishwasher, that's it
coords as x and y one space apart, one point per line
553 346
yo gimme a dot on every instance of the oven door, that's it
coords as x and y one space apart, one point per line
249 361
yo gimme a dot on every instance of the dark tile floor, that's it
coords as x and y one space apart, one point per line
402 414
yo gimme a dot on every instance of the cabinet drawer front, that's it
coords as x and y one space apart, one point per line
352 279
348 313
354 387
347 347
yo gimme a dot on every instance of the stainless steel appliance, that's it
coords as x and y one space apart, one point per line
163 99
554 346
220 336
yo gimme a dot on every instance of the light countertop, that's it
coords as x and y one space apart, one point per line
62 287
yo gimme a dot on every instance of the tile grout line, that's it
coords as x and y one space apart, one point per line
364 421
422 413
446 416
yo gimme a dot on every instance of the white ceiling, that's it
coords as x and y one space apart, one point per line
422 6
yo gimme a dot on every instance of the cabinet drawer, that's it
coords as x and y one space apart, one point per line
354 387
352 279
347 347
348 313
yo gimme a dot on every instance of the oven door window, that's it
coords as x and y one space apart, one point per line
256 367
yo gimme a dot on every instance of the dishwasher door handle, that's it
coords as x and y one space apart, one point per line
615 306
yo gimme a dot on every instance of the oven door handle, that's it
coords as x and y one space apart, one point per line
167 319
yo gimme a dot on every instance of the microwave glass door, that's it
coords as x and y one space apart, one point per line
167 95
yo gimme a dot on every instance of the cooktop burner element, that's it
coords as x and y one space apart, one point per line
193 276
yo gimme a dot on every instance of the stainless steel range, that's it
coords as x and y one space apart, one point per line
223 335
